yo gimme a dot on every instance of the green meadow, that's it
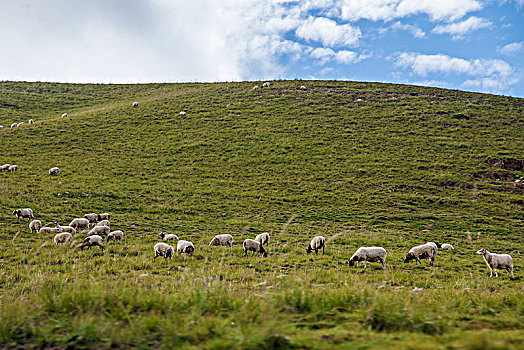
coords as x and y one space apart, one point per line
362 164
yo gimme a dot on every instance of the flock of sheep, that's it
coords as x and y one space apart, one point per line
13 168
101 227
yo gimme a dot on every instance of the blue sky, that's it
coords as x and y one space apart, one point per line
474 45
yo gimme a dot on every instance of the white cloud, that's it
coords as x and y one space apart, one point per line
416 31
460 29
512 48
324 55
328 32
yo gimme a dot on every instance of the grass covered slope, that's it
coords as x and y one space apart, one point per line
387 165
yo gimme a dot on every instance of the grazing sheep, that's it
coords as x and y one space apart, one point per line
47 230
31 121
115 235
64 115
1 127
104 216
494 261
263 238
135 104
65 228
23 213
13 168
255 87
185 247
79 223
103 223
253 246
99 230
54 171
14 125
371 254
163 249
91 241
424 251
266 84
63 237
5 167
302 87
316 244
35 226
435 244
446 246
92 218
20 124
222 240
169 237
182 113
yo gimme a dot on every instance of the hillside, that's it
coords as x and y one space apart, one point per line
386 165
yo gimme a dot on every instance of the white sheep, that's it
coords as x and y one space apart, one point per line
135 104
20 124
92 240
1 127
31 121
165 250
424 251
91 217
446 246
169 237
47 230
115 235
64 115
54 171
317 243
185 247
23 213
435 244
182 113
266 84
253 246
5 167
14 125
35 226
371 254
104 216
13 168
103 223
263 238
494 261
69 229
79 223
255 87
99 230
222 240
63 237
302 87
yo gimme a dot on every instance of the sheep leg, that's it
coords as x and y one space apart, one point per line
384 264
316 251
490 271
496 274
432 261
365 265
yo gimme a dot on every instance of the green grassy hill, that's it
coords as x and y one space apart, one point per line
362 164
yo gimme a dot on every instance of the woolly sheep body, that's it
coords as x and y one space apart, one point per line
13 168
1 127
182 113
63 237
222 240
446 246
255 87
69 229
91 217
99 230
263 238
103 223
317 243
253 246
47 230
169 237
266 84
164 249
35 226
302 87
5 167
103 216
31 121
371 254
185 247
20 124
92 240
23 213
135 104
424 251
64 115
494 261
79 223
115 235
14 125
54 171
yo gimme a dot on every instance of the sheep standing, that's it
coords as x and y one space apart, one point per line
63 237
103 223
47 230
371 254
263 238
253 246
185 247
79 223
316 244
115 235
222 240
64 115
255 87
65 228
494 261
135 104
446 246
14 125
91 241
91 217
266 85
13 168
35 226
31 121
5 167
20 124
169 237
99 230
302 87
182 113
424 251
23 213
54 171
163 249
104 216
1 127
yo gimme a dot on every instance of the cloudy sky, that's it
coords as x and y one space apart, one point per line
475 45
